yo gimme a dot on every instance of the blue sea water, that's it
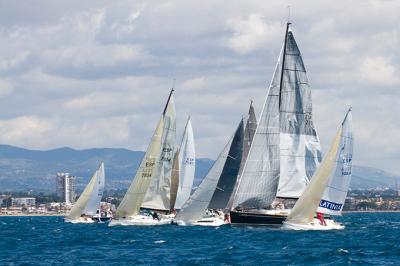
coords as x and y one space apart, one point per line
369 239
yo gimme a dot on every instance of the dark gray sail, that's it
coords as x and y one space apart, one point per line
195 207
249 131
229 173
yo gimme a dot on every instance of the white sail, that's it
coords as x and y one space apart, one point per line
258 182
331 168
159 193
300 149
335 193
89 201
195 207
95 198
133 199
187 165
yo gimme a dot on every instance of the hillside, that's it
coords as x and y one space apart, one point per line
23 169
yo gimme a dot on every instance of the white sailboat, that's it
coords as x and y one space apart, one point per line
152 179
194 211
285 150
158 195
328 188
88 203
186 161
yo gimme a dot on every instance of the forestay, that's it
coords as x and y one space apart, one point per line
335 193
334 169
133 199
194 208
158 194
300 150
89 201
187 165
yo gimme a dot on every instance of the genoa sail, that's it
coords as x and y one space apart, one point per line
89 201
300 149
158 195
335 193
333 169
187 165
133 199
195 207
258 182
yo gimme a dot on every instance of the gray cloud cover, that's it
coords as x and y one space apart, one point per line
97 73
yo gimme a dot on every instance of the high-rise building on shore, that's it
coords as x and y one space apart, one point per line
65 187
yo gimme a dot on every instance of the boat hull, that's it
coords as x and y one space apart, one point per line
80 221
257 218
209 221
314 225
142 220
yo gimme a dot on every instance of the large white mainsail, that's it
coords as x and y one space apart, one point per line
195 207
159 193
89 201
335 170
300 149
133 199
187 165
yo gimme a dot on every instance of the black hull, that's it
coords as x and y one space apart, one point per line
256 218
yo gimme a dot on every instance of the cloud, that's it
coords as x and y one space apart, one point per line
251 33
98 73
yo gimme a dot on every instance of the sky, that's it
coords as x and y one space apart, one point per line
97 73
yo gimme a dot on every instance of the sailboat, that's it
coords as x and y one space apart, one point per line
327 190
194 211
285 150
183 169
150 187
88 204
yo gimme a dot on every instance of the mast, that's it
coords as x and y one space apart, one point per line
169 98
283 62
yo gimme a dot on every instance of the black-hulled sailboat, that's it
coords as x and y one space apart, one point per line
285 150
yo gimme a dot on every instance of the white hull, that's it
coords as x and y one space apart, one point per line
213 219
140 220
314 225
80 221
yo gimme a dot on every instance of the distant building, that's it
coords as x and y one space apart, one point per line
19 202
65 187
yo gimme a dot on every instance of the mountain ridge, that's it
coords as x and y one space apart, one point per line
29 169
